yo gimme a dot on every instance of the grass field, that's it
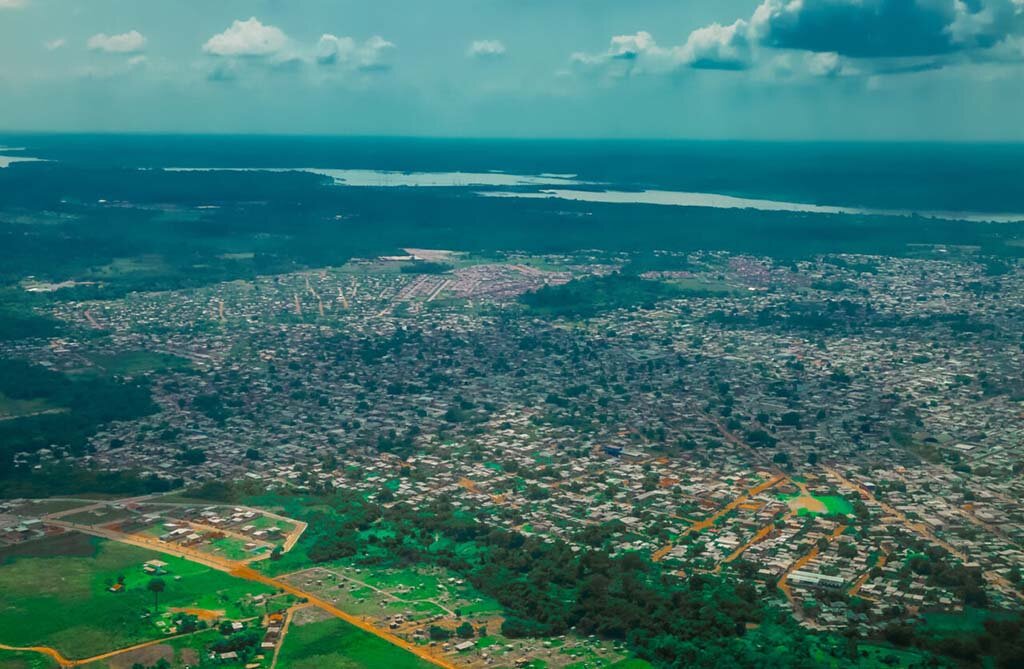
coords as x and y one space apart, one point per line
61 599
334 644
872 655
130 363
969 621
17 660
820 504
13 408
180 652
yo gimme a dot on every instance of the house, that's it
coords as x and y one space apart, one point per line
813 580
155 567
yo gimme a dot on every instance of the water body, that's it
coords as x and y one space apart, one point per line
395 179
7 161
715 201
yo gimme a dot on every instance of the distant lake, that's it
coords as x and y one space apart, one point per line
680 199
391 179
394 179
6 160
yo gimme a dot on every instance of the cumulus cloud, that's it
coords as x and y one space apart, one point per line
486 48
249 38
715 47
629 55
129 42
247 47
829 38
856 28
885 29
824 64
718 47
12 4
371 54
54 44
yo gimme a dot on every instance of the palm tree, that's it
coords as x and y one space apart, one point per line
156 586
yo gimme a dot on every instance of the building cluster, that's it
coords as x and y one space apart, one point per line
847 429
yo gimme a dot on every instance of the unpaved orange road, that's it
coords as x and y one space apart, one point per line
701 525
759 536
859 583
660 554
801 562
43 650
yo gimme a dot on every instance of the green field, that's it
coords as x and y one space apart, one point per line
13 408
969 621
59 597
834 505
837 505
18 660
872 655
130 363
334 644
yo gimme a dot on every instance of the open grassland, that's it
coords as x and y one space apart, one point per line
21 660
11 407
180 652
334 644
130 363
880 655
61 598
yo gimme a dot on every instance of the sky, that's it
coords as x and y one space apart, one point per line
946 70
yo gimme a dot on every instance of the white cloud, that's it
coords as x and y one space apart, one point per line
371 54
718 47
54 44
714 47
629 47
247 38
486 48
129 42
12 4
797 39
824 64
629 55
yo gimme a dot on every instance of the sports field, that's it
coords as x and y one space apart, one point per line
58 595
823 505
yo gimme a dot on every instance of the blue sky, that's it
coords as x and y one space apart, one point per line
752 69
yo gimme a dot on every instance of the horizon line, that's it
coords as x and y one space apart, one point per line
500 138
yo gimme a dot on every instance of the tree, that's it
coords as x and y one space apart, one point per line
156 586
465 630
